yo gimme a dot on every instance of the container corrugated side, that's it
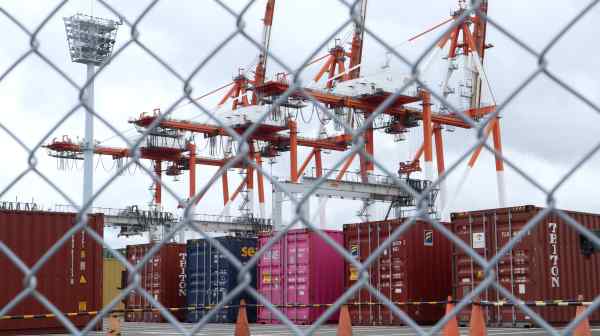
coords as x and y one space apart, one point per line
112 276
548 264
71 279
271 277
210 276
416 267
163 277
301 269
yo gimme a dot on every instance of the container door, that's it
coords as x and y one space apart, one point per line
197 268
219 282
153 286
397 288
381 272
367 235
271 278
476 232
134 300
514 269
352 245
297 276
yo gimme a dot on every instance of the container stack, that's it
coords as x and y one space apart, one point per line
552 262
416 267
211 276
163 277
71 279
300 269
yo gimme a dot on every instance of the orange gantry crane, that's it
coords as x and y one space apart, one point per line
467 38
402 111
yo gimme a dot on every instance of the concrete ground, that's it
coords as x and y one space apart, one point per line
134 329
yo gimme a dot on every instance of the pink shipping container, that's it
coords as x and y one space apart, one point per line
552 262
71 279
301 268
163 277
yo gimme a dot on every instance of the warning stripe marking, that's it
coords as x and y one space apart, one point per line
550 303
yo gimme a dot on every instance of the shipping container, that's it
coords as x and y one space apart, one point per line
112 277
300 269
416 267
163 277
552 262
71 279
210 276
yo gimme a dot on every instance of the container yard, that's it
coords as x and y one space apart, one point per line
372 167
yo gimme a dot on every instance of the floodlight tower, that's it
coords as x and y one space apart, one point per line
91 41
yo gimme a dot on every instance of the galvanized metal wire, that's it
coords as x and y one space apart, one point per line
30 280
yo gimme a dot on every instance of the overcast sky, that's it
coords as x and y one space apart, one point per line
545 129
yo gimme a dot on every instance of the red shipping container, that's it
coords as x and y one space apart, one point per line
71 279
301 268
416 267
163 277
547 264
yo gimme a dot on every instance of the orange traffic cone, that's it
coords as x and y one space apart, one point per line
451 327
345 324
477 327
583 329
241 325
114 326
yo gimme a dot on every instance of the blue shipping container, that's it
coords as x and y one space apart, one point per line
210 276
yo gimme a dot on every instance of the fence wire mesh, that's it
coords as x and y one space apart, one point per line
296 86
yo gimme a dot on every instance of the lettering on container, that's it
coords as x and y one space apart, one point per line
398 243
506 234
553 240
181 275
271 255
72 269
398 276
248 251
428 237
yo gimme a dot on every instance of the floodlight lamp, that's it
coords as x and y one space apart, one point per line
91 39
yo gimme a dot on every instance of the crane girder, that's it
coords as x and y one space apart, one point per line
333 143
371 103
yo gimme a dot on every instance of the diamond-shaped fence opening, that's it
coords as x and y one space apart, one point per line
365 144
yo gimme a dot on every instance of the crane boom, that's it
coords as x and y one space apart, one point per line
479 36
357 42
261 67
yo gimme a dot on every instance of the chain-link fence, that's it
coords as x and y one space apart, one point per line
295 89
